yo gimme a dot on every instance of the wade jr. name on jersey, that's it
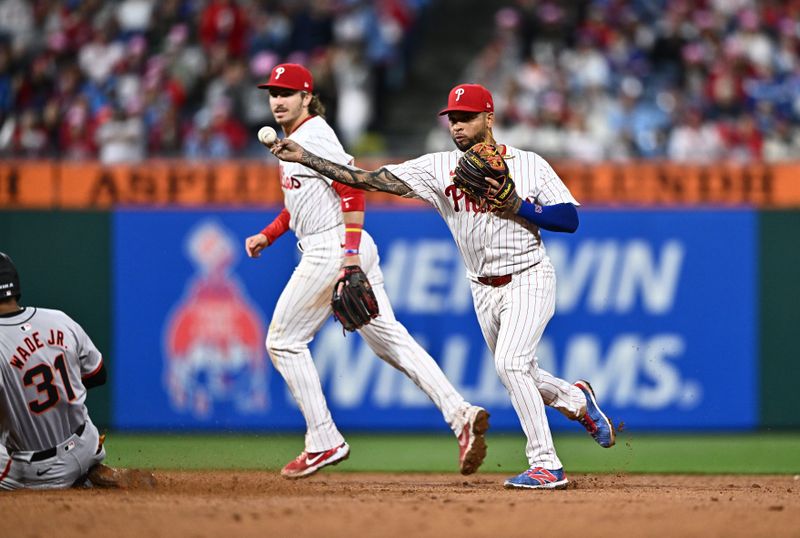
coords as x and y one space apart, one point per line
30 344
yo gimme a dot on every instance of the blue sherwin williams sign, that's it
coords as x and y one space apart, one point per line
656 308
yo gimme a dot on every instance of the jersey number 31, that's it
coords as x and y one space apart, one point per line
46 386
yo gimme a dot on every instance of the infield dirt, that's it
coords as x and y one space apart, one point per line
247 503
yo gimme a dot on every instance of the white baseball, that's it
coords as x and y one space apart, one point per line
267 135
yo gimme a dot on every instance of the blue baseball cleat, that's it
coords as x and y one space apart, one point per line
594 420
538 478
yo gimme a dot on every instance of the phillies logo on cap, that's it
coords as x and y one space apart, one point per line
290 76
469 98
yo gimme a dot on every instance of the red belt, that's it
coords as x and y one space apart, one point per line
495 281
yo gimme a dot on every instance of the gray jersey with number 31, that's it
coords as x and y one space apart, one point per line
44 355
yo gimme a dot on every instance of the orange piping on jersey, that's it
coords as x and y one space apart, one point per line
93 372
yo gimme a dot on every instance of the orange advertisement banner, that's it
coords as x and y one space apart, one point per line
82 185
669 184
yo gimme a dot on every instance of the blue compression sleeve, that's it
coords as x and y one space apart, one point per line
556 218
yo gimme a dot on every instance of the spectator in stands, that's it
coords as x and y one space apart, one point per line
695 141
782 143
35 86
579 143
743 142
181 68
99 57
167 15
312 25
17 21
222 22
133 16
230 87
726 57
732 59
353 80
121 138
216 134
76 139
165 132
586 66
30 136
270 31
128 81
636 122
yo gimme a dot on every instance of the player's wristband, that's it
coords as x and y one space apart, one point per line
556 218
352 236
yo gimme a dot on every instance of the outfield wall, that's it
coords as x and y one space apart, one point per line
682 319
682 312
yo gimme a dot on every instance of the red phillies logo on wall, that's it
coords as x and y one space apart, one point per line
214 336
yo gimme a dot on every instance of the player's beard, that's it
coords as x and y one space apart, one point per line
467 143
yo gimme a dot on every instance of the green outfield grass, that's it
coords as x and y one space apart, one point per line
774 453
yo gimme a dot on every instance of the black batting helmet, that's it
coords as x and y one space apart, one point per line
9 278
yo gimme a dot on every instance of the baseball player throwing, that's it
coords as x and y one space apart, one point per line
47 363
494 200
328 219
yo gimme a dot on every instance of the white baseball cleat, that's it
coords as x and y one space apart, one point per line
471 443
308 463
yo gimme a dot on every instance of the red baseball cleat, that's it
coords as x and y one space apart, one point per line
471 443
308 463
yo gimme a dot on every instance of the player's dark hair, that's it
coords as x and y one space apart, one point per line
316 107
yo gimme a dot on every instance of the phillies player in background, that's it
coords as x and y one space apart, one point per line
47 363
328 220
511 277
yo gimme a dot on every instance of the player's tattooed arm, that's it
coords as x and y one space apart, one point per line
368 180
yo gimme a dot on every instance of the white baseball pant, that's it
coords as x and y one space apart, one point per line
302 309
512 319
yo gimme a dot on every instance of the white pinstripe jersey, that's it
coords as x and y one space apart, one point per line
43 356
308 195
490 245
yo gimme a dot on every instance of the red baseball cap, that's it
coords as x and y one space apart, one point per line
290 76
469 98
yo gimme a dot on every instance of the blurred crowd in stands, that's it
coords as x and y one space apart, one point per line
593 80
686 80
123 80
